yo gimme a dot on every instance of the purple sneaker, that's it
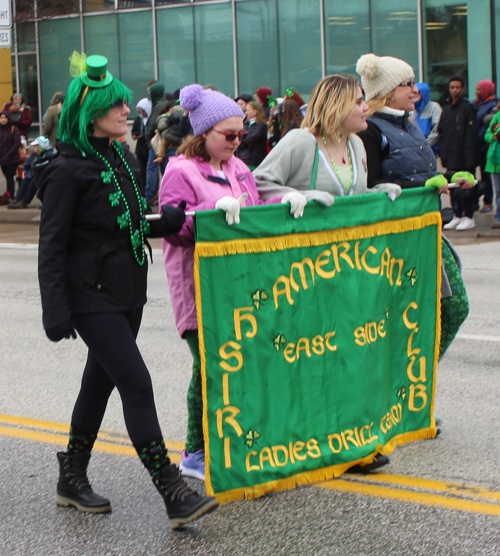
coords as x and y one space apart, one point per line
193 465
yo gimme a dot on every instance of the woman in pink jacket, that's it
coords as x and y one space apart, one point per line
206 175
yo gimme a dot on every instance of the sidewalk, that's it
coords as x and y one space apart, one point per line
21 216
480 234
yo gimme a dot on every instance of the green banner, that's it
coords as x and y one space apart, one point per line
319 337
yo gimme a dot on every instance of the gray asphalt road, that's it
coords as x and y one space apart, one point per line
39 381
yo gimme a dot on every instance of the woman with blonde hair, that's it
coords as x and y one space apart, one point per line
325 158
397 151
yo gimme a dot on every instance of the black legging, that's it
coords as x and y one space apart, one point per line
9 171
114 360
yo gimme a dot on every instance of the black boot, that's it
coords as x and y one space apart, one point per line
379 461
183 504
73 487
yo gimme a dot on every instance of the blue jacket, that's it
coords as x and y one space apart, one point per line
410 158
425 124
32 158
484 108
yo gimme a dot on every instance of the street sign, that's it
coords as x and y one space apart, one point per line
5 14
5 37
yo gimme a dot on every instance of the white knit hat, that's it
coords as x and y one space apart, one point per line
382 74
42 142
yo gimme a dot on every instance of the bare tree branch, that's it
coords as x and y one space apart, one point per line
25 9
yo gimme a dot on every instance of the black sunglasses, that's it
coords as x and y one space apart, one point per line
119 104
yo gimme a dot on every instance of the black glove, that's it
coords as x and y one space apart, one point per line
172 219
63 330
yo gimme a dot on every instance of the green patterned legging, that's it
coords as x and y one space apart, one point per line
454 310
194 440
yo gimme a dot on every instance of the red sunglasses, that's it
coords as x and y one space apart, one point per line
230 136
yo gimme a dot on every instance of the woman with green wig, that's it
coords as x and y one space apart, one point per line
92 275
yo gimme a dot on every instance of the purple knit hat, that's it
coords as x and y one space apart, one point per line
206 107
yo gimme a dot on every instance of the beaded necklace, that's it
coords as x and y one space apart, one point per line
335 166
125 219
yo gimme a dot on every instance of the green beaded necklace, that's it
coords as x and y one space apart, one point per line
335 166
125 220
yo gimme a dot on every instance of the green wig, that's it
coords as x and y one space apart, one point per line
82 106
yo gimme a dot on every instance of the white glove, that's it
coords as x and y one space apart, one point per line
297 203
231 207
392 189
322 197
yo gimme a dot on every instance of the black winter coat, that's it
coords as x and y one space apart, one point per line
85 261
141 147
253 149
10 141
459 136
157 110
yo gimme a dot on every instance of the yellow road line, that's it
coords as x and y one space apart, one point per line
52 433
425 499
50 438
54 426
429 484
14 420
64 428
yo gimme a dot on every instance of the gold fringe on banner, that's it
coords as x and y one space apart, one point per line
313 239
203 360
318 475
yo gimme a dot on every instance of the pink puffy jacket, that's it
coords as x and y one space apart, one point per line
199 184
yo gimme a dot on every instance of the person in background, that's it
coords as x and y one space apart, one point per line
487 119
10 141
174 127
206 174
243 100
263 96
287 116
492 137
486 102
427 114
92 271
52 117
253 148
158 103
292 94
458 136
139 134
42 149
20 113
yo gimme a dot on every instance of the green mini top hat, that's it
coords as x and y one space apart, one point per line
96 74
